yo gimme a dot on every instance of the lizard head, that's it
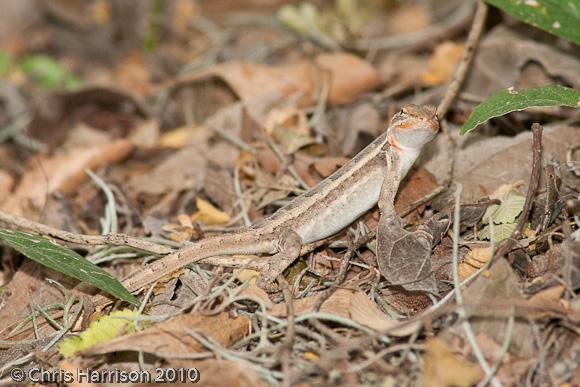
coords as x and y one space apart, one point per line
413 127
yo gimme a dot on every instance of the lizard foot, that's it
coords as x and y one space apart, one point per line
288 250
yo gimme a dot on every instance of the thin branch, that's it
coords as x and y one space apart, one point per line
532 188
286 348
459 297
461 71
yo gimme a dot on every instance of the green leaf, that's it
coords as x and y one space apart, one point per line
559 17
5 62
509 100
100 331
500 232
48 72
64 260
507 211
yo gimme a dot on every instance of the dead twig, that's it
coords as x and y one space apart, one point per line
461 70
459 297
285 350
505 247
83 239
419 39
457 81
344 265
278 152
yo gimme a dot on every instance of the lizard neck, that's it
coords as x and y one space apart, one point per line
406 157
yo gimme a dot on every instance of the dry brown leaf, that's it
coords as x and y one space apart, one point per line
182 170
62 172
473 261
258 293
351 76
502 58
260 86
491 300
185 12
402 69
548 303
442 368
146 133
327 165
220 372
442 64
418 184
287 117
486 163
208 214
29 287
132 74
171 337
6 184
354 305
100 12
408 17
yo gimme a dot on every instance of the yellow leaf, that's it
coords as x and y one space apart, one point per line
175 138
443 368
184 221
208 214
102 330
442 64
247 274
311 356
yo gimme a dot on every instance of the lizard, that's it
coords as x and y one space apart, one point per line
319 213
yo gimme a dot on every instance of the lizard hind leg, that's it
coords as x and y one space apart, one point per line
289 246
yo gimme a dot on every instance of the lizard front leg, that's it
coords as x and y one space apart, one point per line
402 256
289 245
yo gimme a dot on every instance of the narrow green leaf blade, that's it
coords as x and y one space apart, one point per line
66 261
558 17
507 101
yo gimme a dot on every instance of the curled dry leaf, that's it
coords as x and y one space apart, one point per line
356 306
62 172
548 303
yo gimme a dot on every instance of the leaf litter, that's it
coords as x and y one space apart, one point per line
207 119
